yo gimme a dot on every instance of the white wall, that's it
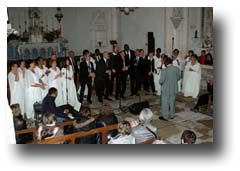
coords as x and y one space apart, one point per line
134 27
131 29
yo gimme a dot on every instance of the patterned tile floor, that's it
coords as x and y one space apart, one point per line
200 123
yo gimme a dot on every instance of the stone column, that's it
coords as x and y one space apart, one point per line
176 29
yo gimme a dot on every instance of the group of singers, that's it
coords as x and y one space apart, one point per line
107 71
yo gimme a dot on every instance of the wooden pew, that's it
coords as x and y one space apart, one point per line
74 136
34 130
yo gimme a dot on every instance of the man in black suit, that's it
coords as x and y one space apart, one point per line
130 54
103 76
86 74
121 66
97 55
150 69
75 68
140 66
113 56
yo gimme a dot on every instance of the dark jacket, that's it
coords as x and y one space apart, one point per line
101 68
118 64
49 106
84 71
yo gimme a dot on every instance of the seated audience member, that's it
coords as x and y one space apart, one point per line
106 117
188 137
144 130
49 106
49 129
124 136
19 124
85 122
205 99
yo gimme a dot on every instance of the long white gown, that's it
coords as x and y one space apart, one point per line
156 75
41 74
17 90
56 83
33 94
176 64
69 89
191 80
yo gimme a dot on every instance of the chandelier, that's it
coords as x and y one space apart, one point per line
127 10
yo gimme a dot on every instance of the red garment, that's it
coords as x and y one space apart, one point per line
202 59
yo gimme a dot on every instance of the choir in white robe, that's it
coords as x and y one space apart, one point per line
191 80
33 94
17 90
41 75
157 73
69 89
56 83
178 63
23 84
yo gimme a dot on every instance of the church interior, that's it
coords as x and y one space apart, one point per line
42 33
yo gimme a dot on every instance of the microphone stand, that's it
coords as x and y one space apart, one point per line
67 85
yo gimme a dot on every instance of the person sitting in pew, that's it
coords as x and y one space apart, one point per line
49 129
19 124
85 122
125 134
49 106
143 130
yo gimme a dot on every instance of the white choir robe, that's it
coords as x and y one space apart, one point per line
156 75
69 89
191 80
56 83
33 94
176 64
17 90
41 74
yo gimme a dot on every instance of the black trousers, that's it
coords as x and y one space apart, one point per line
102 88
133 82
121 84
139 83
89 85
111 85
151 82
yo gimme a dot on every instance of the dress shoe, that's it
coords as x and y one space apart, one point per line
117 98
162 118
100 100
132 95
137 94
90 101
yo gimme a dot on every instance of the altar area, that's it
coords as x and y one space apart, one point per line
36 39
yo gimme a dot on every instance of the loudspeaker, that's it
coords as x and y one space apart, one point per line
151 42
136 108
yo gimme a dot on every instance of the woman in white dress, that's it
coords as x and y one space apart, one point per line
22 71
55 80
16 87
192 78
157 73
33 90
69 88
42 75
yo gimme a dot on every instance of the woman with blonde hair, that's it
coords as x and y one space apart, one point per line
124 136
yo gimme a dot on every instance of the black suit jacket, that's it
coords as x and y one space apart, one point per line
74 64
150 65
101 68
84 73
132 61
118 64
95 57
140 67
